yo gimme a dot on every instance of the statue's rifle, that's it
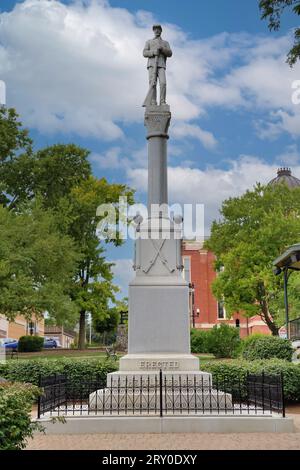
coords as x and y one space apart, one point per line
149 97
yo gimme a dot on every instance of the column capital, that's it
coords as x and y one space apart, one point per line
157 121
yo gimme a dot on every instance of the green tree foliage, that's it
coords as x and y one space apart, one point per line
36 264
108 323
16 401
15 159
60 177
253 230
272 10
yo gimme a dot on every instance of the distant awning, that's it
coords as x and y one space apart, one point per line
289 259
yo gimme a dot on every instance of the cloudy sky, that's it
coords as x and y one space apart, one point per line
74 70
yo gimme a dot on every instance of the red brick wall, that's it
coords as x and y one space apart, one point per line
202 276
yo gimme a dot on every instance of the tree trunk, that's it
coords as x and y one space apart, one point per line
81 340
268 320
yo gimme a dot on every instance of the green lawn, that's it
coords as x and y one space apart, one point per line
76 354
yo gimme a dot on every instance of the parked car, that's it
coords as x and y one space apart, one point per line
51 343
9 343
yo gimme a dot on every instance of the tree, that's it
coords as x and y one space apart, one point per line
273 10
62 178
93 288
15 159
36 264
254 229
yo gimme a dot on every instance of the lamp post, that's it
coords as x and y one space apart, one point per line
192 305
286 263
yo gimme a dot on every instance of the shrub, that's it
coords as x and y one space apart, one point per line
267 347
236 371
15 420
30 343
224 341
200 341
76 369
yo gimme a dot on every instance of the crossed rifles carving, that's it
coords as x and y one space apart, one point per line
160 255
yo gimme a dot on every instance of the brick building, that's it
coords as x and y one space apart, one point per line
205 310
21 327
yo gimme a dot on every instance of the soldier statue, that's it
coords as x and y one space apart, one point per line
157 51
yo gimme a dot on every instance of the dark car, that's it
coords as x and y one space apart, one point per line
50 343
9 343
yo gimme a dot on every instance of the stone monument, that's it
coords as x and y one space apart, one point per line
158 322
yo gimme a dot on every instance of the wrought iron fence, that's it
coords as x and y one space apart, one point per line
294 327
161 395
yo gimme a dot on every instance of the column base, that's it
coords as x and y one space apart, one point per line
155 362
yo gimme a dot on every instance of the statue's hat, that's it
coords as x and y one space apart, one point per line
156 26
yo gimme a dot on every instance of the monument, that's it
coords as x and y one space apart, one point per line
158 322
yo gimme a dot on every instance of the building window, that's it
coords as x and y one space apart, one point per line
237 323
221 311
31 328
187 269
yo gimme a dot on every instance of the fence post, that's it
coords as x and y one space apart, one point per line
282 395
39 398
161 393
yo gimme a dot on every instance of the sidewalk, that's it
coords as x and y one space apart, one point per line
251 441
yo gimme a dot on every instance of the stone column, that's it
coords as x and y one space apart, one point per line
157 121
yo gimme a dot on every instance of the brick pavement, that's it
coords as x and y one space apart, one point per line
251 441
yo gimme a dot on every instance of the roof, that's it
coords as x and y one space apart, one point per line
290 257
284 175
49 329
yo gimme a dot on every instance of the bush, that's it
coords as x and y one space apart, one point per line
30 343
200 341
236 371
224 341
76 369
15 420
266 347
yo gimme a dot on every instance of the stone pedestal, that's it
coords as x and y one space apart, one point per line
141 391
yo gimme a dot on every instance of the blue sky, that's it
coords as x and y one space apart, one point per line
75 72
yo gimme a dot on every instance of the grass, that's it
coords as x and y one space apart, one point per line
52 356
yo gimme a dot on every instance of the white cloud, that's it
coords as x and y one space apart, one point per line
213 185
184 130
79 68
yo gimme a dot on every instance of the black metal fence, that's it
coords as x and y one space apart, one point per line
161 395
294 327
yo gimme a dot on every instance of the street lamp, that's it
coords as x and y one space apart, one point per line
286 263
192 304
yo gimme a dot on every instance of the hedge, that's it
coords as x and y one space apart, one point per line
200 341
267 347
30 344
76 369
236 370
225 341
16 402
222 340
